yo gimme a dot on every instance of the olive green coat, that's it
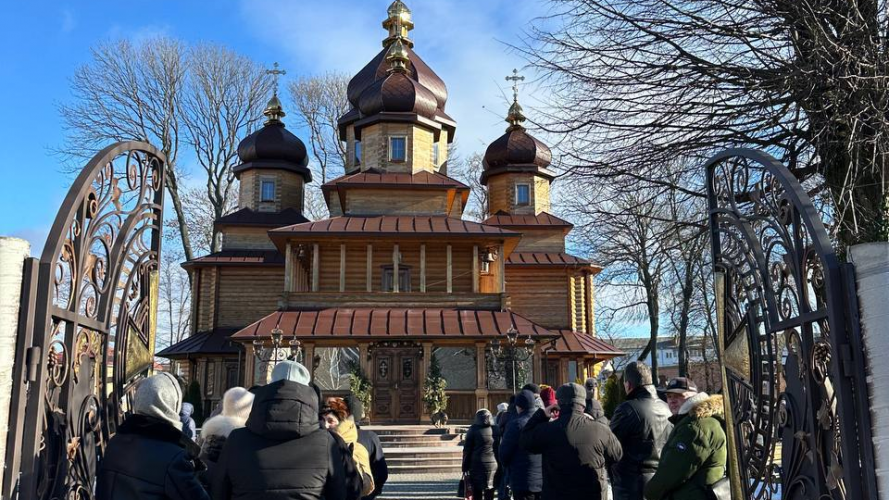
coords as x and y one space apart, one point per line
695 453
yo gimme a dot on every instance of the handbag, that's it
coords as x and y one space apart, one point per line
720 490
464 488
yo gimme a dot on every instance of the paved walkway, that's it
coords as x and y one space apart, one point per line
421 487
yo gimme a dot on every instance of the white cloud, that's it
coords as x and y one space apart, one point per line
463 41
69 22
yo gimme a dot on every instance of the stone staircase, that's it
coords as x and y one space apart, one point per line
421 449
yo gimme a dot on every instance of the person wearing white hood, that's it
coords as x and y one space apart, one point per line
236 405
149 458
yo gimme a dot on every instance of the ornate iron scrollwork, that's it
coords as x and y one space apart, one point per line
94 318
783 326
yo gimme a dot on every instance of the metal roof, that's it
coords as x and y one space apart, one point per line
237 257
209 342
248 217
541 219
570 342
394 225
545 259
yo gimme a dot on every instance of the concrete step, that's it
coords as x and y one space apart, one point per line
401 430
425 461
418 443
388 438
424 469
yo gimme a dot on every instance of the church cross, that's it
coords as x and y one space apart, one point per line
515 78
276 73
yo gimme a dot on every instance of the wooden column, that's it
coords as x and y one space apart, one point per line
370 273
342 267
316 267
424 372
309 360
537 363
588 297
395 280
475 269
249 365
481 391
501 268
288 269
450 275
363 362
423 268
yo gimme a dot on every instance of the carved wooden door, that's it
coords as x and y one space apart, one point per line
396 385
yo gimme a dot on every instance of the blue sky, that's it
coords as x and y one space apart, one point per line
43 42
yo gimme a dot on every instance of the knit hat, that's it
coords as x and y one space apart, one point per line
571 394
548 396
525 400
502 407
237 402
532 387
292 371
590 386
160 396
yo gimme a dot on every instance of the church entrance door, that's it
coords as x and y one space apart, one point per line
396 397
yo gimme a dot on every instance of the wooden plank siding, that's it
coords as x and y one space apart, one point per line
541 295
247 294
542 240
206 296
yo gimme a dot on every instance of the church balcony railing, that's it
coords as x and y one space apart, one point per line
320 300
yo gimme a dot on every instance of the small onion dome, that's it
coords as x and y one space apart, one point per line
397 93
517 151
273 146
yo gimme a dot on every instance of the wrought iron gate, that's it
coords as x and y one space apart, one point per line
789 338
87 335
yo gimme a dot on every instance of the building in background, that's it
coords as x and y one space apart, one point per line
395 276
703 364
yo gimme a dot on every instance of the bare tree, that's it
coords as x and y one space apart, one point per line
222 103
175 305
804 79
131 92
469 171
320 101
200 215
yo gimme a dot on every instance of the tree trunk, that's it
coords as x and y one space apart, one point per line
173 189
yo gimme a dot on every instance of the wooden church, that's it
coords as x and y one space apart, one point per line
395 277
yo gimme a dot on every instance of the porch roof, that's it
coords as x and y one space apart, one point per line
547 259
570 342
393 323
238 257
209 342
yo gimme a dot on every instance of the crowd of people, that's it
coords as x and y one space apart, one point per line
283 441
550 444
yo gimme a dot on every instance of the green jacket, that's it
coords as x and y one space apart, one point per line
695 453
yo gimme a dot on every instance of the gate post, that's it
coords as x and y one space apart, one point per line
13 252
872 278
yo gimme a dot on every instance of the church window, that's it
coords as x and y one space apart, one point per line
267 191
435 154
397 148
404 278
522 194
358 152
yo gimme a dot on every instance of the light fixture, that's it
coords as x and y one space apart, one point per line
489 256
277 335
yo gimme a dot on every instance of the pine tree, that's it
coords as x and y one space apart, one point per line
612 395
434 396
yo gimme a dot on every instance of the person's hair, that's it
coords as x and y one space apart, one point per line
338 407
531 387
637 374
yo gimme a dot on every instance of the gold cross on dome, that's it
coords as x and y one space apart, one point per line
276 73
515 78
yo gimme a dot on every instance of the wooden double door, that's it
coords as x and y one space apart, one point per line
396 382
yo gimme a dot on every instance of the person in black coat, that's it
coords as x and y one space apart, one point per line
525 469
479 458
642 424
378 467
282 453
149 458
576 449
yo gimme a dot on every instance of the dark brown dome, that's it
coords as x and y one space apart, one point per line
516 151
273 147
378 68
397 93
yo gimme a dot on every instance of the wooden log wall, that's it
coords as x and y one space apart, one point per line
247 294
541 295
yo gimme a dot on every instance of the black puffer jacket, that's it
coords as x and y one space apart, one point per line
283 454
642 424
525 469
149 459
576 450
479 457
378 467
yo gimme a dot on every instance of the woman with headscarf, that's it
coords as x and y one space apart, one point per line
149 458
479 455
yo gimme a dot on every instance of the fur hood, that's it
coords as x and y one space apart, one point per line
221 426
702 405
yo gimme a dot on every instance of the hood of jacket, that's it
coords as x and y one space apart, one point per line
187 410
702 405
284 410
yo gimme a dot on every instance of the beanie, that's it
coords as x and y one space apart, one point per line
292 371
525 400
237 402
548 396
571 394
